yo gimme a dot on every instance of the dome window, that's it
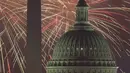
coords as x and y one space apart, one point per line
90 48
81 48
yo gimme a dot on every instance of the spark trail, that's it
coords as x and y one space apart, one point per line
12 34
111 22
57 17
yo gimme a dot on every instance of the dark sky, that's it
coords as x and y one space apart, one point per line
124 61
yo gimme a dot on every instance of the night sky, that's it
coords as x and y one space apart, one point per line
123 62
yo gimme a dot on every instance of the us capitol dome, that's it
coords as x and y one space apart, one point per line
82 49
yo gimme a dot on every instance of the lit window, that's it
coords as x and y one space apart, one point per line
90 48
81 48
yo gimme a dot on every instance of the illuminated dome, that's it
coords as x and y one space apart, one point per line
82 44
82 49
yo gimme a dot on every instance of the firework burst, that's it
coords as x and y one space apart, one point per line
57 17
13 34
108 19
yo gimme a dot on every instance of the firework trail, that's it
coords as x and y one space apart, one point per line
57 17
12 34
105 17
